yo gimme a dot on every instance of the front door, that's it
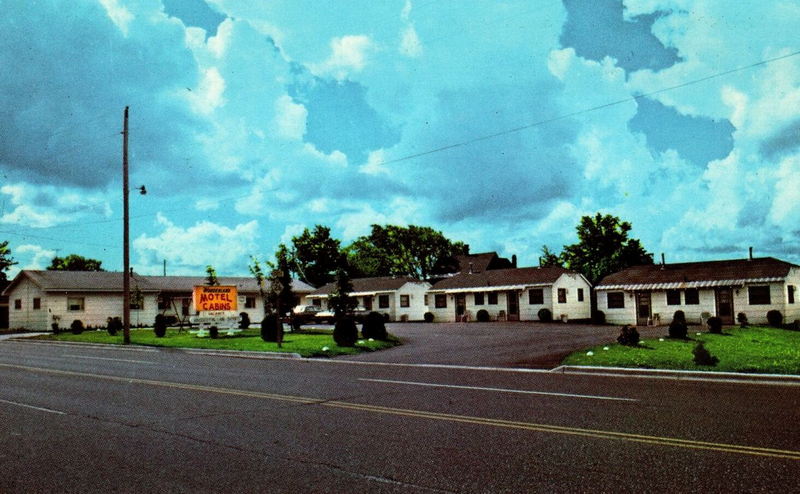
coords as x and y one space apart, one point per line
461 305
513 305
643 312
724 304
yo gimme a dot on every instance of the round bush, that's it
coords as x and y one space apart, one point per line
741 318
55 328
482 315
715 325
545 315
428 317
160 326
775 318
678 328
374 327
628 335
76 327
244 322
213 332
113 325
345 332
598 317
702 356
269 327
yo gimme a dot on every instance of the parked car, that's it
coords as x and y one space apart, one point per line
304 314
328 317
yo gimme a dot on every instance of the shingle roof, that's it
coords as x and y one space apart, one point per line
697 274
499 279
370 285
108 281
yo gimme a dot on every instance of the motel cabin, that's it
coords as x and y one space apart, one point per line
511 294
38 299
642 295
399 298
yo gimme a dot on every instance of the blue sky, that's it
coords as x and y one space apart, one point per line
499 123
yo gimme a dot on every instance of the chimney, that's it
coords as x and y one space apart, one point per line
470 268
514 261
663 261
751 254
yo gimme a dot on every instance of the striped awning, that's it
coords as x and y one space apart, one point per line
677 285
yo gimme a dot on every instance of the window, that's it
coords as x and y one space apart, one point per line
383 301
37 303
492 298
479 298
164 302
405 301
75 304
249 302
317 302
425 300
368 302
440 300
691 296
562 295
135 304
536 296
580 294
616 300
673 297
791 289
17 304
759 295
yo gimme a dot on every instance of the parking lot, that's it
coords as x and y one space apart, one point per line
497 344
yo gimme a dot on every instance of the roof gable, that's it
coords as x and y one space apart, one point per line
734 271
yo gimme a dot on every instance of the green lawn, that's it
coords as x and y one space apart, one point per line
755 349
308 343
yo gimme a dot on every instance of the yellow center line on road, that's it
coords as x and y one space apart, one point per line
465 419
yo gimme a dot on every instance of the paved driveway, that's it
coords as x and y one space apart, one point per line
497 344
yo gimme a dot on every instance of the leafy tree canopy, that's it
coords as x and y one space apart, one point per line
549 258
6 261
211 276
401 251
74 262
340 300
603 248
280 280
314 255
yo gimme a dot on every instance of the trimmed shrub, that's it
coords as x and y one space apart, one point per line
345 332
244 322
269 327
374 327
428 317
545 315
55 328
213 332
715 324
741 318
113 324
678 328
628 335
702 356
795 326
76 327
598 317
775 318
160 326
482 315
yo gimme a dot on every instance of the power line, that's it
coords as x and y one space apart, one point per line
586 110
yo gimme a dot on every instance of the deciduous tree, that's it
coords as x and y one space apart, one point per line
74 262
6 261
314 256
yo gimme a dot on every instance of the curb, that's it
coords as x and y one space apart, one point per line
191 351
733 377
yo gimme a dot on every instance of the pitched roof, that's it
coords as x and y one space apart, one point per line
697 274
80 281
501 279
370 285
111 281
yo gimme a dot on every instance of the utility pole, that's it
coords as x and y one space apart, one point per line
126 270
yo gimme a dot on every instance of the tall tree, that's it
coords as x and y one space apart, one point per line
549 258
211 276
603 248
6 261
340 300
314 256
281 281
401 251
74 262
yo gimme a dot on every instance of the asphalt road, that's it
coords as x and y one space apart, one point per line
76 418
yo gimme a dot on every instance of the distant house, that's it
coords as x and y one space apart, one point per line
477 263
401 298
651 294
37 299
514 294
